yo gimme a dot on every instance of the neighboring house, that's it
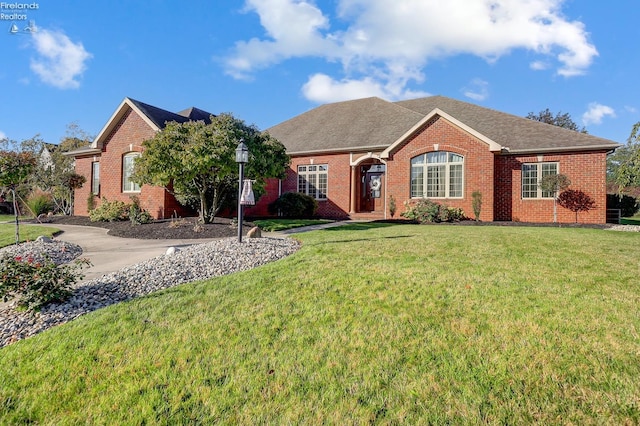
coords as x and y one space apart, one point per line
354 156
108 162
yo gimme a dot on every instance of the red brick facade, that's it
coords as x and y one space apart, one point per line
126 137
497 175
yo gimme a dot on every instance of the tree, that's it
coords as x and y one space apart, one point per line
560 120
626 171
576 201
55 172
15 168
553 184
195 161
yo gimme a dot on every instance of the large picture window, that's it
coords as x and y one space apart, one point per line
532 174
95 178
313 180
127 170
437 175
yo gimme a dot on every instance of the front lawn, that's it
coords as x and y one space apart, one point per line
27 233
367 323
272 225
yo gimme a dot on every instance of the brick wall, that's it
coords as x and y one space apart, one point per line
478 166
127 136
586 171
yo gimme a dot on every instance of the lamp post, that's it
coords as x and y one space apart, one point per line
242 157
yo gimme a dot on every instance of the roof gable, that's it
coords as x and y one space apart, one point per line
155 117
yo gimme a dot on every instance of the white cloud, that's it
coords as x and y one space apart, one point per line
60 61
385 43
539 65
3 135
596 113
478 90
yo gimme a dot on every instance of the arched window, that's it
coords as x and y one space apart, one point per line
128 161
437 174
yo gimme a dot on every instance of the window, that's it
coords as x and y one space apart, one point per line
95 178
437 175
532 174
313 180
127 170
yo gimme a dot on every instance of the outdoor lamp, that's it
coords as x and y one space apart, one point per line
242 153
242 157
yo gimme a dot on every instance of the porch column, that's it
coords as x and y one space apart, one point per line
353 192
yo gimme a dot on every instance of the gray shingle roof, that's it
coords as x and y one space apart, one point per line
370 123
160 116
373 123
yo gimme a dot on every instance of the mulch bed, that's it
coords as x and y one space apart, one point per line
183 228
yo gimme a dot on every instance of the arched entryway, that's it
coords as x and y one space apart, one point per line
371 187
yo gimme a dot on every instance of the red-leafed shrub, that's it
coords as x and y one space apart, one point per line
576 201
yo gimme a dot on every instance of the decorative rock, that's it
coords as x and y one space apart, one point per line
172 250
254 232
44 218
196 262
43 239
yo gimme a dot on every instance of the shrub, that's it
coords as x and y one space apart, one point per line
91 202
138 215
576 201
39 203
476 204
392 206
109 211
427 211
294 204
628 205
36 284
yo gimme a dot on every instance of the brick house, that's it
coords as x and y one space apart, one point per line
354 156
108 162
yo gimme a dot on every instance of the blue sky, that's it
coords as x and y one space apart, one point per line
266 61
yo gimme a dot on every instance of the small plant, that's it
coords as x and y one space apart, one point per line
294 204
551 185
109 211
35 284
91 202
39 203
392 206
576 201
427 211
476 203
138 215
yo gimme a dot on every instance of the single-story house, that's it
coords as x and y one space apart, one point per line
108 162
354 157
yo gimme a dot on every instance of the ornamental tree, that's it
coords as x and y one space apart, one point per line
553 184
576 201
195 161
15 168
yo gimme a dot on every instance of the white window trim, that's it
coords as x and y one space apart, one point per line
317 173
132 154
539 174
93 177
447 177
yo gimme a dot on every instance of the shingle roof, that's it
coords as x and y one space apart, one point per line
370 123
373 123
160 117
519 134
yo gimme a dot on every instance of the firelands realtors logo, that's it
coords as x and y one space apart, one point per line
18 14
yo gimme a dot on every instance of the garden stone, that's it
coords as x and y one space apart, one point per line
43 239
254 232
172 251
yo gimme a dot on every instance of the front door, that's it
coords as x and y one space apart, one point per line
371 188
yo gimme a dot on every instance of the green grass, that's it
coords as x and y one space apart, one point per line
27 233
271 225
367 323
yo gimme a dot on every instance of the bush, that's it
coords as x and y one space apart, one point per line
138 215
294 204
39 203
427 211
36 284
109 211
477 204
628 205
